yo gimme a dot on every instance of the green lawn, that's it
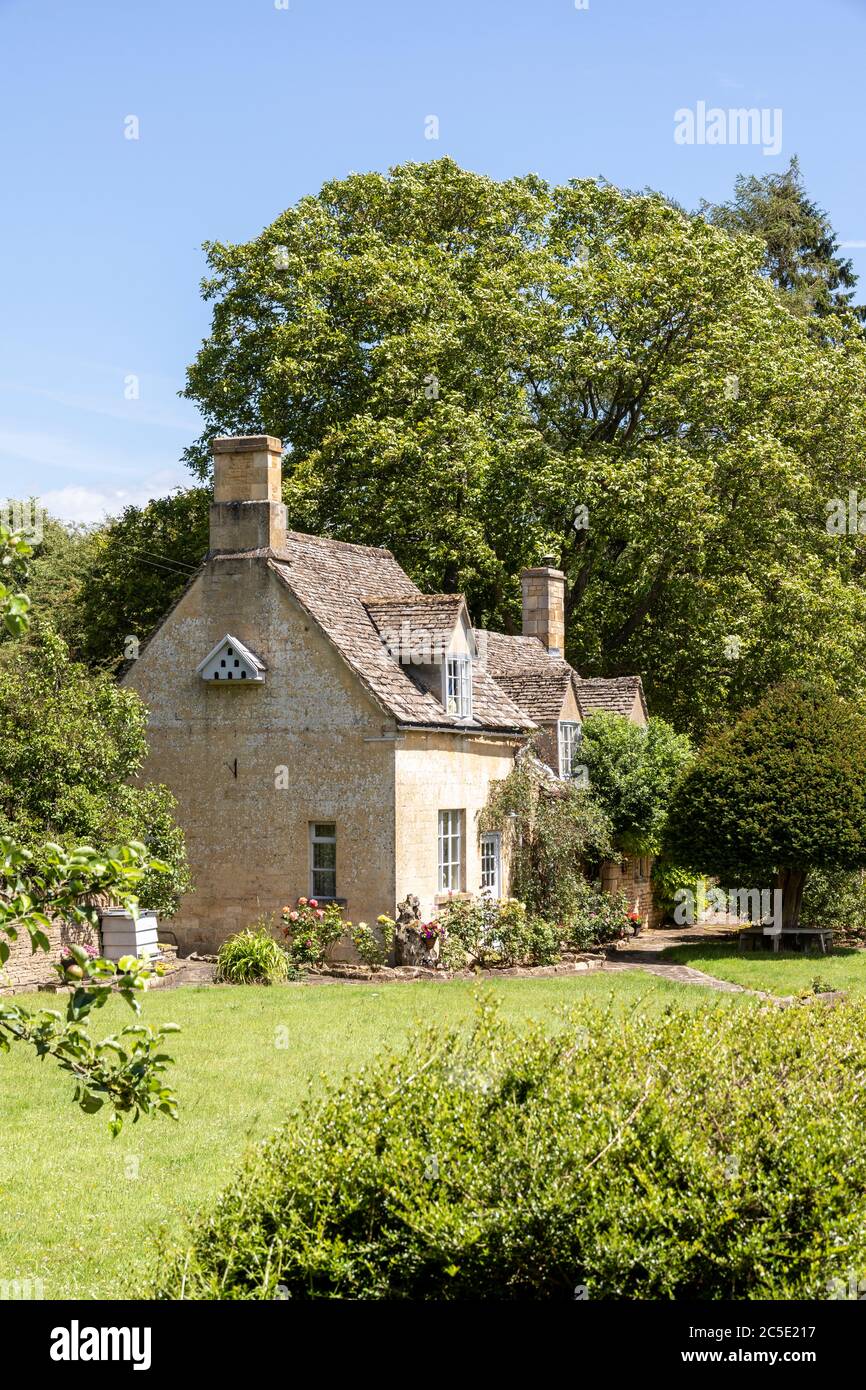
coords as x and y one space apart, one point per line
782 974
81 1211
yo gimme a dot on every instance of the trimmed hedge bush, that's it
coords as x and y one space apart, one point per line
719 1153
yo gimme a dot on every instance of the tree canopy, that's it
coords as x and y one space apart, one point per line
801 249
70 741
38 888
457 365
779 793
632 773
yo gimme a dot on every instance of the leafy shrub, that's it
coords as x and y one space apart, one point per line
669 879
597 917
707 1154
632 771
835 898
490 931
373 944
311 930
779 794
252 957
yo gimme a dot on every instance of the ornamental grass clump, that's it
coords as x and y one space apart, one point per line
699 1154
252 957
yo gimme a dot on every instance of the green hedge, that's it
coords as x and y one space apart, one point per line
712 1154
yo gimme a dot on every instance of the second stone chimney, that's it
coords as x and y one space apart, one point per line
544 605
246 512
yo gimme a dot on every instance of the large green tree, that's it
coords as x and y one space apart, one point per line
780 793
137 566
37 889
457 365
71 745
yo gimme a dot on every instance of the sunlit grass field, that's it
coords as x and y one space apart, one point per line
782 974
83 1212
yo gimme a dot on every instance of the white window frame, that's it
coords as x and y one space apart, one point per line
458 686
491 863
569 733
450 858
315 840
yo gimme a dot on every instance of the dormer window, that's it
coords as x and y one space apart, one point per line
458 686
569 740
230 660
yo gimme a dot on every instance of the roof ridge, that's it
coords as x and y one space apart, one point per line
346 545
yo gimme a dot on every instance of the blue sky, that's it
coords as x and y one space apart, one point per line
243 107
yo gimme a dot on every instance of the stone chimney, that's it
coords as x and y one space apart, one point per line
246 512
544 605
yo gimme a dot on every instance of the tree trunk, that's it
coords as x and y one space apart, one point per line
791 882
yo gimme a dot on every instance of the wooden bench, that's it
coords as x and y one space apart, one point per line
753 935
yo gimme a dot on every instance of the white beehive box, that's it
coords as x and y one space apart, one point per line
125 935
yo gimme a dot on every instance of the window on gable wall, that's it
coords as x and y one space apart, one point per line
458 686
323 859
569 741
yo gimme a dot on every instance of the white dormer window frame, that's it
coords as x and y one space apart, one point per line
231 662
458 686
569 735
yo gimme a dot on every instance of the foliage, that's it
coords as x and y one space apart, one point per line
253 957
373 944
781 792
835 898
669 879
311 930
69 741
55 571
61 884
596 918
139 565
455 364
124 1070
801 250
692 1156
488 931
551 829
632 772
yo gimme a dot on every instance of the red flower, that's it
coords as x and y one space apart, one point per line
313 901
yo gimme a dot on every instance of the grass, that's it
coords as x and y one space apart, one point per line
83 1212
782 974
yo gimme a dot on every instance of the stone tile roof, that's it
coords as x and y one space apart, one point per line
523 667
537 681
614 693
332 579
431 618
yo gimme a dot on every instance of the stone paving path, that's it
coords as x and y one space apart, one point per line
646 952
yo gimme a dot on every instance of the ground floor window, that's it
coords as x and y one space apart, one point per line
323 859
491 863
450 851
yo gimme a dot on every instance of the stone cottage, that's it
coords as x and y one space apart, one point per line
330 730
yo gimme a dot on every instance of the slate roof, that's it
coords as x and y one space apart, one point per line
338 584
